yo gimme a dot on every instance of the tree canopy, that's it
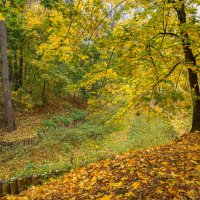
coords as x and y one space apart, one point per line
131 55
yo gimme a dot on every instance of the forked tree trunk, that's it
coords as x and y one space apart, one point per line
8 108
190 59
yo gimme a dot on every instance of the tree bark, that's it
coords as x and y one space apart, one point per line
8 108
190 59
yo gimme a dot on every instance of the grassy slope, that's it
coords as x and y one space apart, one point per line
24 160
170 171
88 142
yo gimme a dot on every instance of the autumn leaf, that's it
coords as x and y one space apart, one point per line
135 185
118 185
106 197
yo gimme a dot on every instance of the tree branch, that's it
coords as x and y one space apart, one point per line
171 34
102 20
173 68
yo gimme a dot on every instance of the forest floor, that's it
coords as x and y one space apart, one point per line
130 175
59 148
170 171
42 120
28 123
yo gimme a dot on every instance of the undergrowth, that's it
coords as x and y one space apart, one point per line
60 148
64 120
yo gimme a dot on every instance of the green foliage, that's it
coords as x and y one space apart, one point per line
75 136
45 167
84 132
63 142
56 121
49 124
78 114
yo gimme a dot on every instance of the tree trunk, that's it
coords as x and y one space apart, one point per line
16 72
8 108
43 93
21 66
193 77
10 71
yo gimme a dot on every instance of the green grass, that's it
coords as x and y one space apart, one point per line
144 132
60 148
53 151
150 131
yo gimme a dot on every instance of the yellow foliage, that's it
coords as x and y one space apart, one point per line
135 185
1 16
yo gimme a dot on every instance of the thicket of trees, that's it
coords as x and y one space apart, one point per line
121 56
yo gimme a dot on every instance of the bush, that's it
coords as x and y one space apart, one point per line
78 114
23 100
60 120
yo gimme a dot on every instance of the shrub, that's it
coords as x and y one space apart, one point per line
78 114
60 120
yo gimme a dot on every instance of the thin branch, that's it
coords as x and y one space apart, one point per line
102 20
108 64
173 68
72 20
171 34
189 3
178 78
156 69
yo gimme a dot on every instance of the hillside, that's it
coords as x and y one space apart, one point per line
170 171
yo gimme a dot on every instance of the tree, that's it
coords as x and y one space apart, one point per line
154 51
8 108
190 59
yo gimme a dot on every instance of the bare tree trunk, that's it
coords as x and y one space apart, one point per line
193 77
8 108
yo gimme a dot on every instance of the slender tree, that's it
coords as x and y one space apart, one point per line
8 108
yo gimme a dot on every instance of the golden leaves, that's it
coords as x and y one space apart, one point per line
135 185
106 197
117 185
167 171
1 16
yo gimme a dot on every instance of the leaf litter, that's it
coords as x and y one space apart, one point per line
170 171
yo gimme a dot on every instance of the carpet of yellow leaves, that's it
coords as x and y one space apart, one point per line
167 172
